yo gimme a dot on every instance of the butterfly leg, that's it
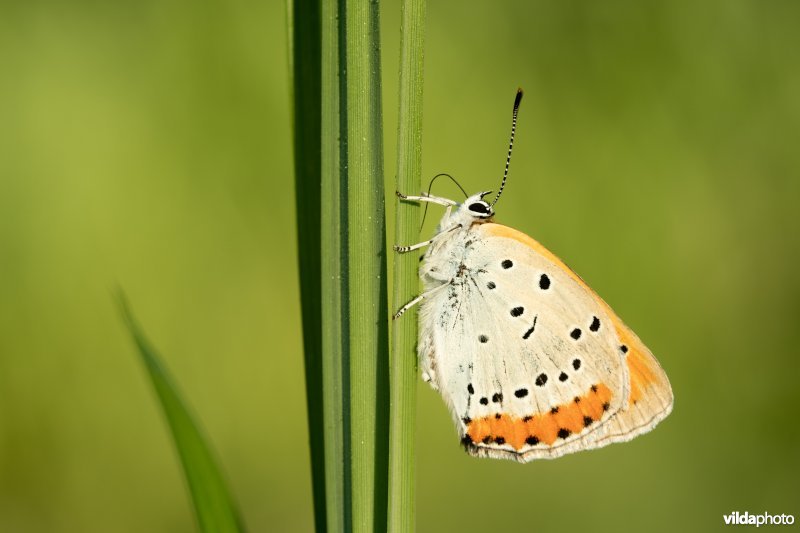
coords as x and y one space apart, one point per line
403 249
427 198
417 300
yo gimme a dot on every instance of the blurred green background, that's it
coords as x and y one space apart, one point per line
147 144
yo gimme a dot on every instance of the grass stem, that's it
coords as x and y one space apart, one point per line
367 295
335 330
402 448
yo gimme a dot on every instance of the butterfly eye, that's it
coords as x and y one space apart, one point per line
480 207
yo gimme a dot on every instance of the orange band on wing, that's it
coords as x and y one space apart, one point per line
542 428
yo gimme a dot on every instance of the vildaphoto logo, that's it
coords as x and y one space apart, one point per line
765 519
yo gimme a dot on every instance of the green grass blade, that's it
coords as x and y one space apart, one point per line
334 276
213 504
305 71
367 298
402 449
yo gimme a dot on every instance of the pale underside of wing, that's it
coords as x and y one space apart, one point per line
530 361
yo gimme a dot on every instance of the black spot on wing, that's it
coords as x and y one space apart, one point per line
544 282
529 332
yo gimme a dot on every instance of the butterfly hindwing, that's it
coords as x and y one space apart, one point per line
650 399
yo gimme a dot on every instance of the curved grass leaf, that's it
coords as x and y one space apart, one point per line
213 505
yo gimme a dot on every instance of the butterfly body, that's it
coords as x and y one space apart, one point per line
530 361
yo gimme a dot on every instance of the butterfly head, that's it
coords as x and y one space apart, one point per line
476 207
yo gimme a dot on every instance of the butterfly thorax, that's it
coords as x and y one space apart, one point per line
445 260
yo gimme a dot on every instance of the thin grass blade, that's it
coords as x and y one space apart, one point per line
402 446
366 290
304 31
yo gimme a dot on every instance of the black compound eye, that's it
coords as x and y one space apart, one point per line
479 207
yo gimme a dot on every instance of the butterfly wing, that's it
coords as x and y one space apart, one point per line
531 362
650 398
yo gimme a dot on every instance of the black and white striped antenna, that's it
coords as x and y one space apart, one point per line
517 100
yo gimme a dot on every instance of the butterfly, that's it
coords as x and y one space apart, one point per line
530 361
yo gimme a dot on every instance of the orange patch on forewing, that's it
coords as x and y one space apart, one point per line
641 374
542 428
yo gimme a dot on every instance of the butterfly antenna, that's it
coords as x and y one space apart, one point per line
430 186
517 100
